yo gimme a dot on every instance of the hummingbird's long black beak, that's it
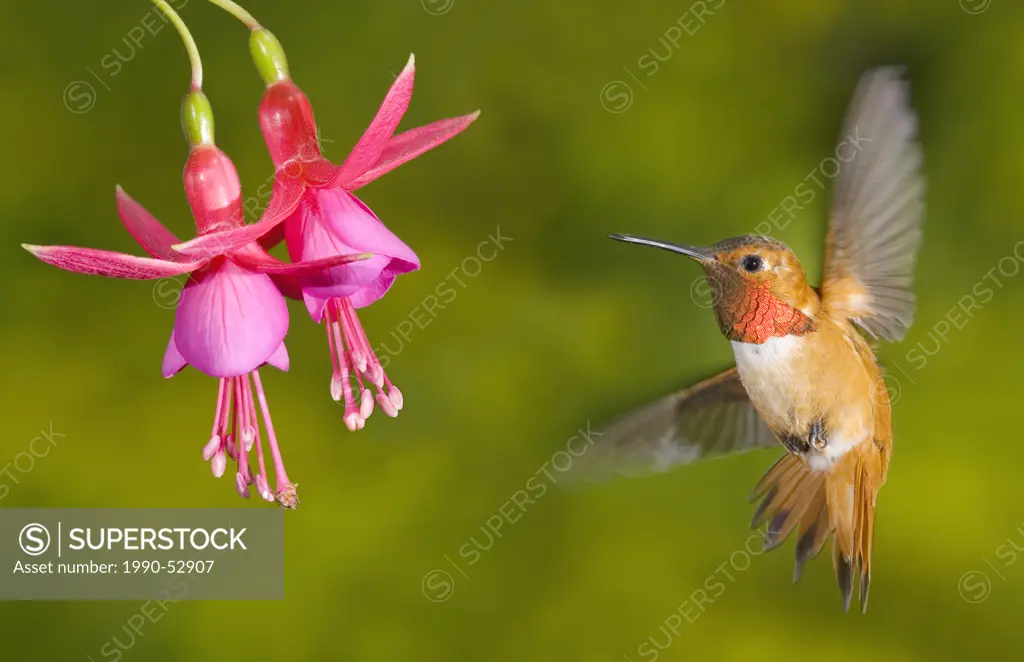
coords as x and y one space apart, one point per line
689 251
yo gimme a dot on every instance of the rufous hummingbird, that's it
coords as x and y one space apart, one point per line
805 373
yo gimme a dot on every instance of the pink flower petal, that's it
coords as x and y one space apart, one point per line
291 278
173 360
375 290
315 305
272 238
355 225
289 287
369 148
289 187
108 263
270 265
149 232
309 237
279 359
230 321
410 144
287 193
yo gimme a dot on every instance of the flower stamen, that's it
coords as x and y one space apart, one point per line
284 489
341 379
236 417
349 346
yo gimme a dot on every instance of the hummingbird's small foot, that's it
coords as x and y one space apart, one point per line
818 435
796 445
816 439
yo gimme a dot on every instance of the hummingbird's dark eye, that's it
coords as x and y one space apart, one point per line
752 263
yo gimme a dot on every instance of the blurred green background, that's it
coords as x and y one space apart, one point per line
564 326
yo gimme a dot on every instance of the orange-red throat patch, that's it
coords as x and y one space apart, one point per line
753 314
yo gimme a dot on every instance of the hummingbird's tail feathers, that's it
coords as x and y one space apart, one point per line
838 503
793 499
816 529
852 488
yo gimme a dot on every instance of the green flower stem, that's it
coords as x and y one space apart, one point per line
239 13
266 51
190 43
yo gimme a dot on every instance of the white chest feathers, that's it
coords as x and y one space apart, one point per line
770 366
769 373
787 399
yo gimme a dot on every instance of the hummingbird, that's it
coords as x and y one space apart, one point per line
805 374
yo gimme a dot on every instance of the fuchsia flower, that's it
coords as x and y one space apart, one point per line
322 218
231 319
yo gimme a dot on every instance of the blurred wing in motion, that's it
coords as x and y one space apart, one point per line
877 212
712 418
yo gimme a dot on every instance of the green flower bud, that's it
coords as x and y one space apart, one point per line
197 118
268 56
